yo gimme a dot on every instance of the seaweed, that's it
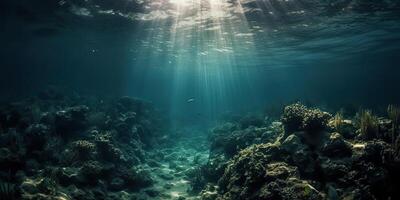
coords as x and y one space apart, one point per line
8 191
343 126
394 116
337 121
369 124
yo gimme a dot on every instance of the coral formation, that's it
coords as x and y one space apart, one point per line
67 150
298 164
82 150
120 151
297 117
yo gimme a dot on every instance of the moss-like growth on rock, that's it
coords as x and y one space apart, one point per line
82 150
257 173
297 117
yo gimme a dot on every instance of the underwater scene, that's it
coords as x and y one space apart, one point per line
200 100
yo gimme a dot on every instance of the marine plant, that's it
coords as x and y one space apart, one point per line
394 116
8 191
368 124
337 121
343 126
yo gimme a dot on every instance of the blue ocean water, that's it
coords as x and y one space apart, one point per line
199 99
226 55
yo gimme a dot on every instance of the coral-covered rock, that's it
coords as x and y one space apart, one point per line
232 143
288 189
90 172
54 149
9 162
299 154
254 174
83 150
293 116
334 170
247 169
109 152
336 146
315 120
224 128
68 176
297 117
135 177
71 120
41 188
228 139
251 120
35 137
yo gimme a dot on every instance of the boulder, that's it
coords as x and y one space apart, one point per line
71 120
299 154
336 146
297 117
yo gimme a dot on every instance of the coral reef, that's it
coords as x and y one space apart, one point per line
54 147
231 137
342 161
297 117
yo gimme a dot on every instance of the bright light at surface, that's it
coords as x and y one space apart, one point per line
196 10
202 33
181 2
191 2
202 42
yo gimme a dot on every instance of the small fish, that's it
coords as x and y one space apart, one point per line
191 100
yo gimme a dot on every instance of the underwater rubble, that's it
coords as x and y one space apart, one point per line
307 154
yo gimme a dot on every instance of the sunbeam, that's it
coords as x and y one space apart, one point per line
206 43
199 99
202 42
